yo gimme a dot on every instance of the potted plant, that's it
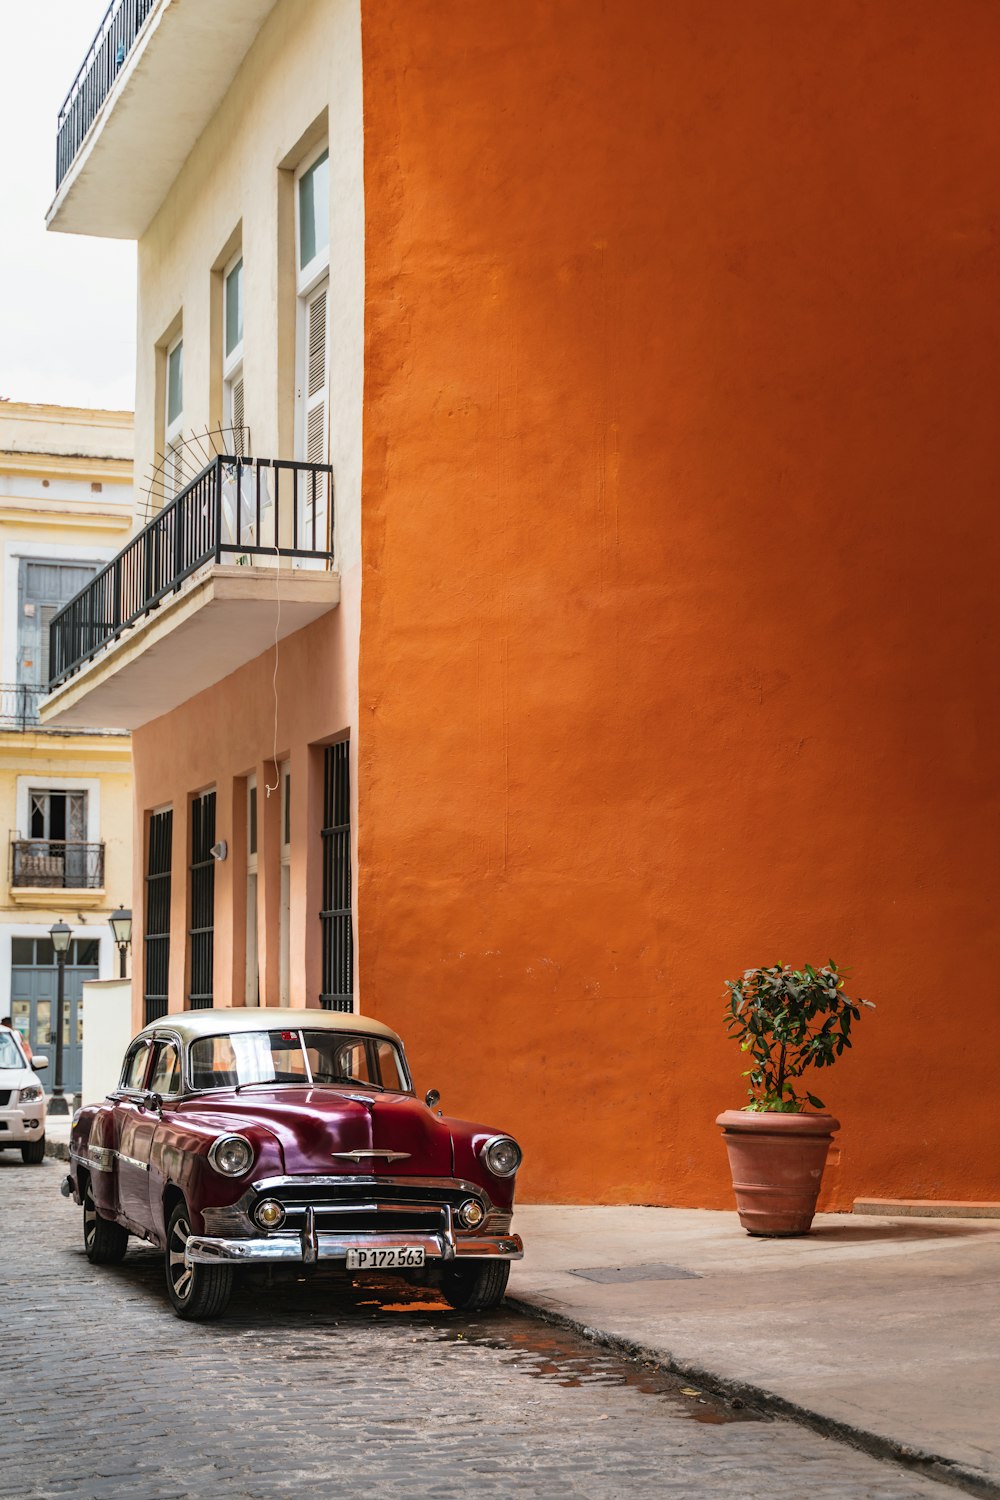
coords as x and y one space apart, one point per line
787 1020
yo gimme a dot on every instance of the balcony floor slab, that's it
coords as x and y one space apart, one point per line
220 619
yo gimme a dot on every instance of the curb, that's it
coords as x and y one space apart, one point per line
931 1465
57 1149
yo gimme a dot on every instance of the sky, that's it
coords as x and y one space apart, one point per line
67 303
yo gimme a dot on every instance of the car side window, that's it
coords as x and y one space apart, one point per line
352 1062
166 1076
388 1063
134 1070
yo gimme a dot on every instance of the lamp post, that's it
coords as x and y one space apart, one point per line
121 925
60 935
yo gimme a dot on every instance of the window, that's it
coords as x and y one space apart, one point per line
314 212
389 1068
173 427
201 932
157 934
57 815
56 852
284 911
134 1071
232 356
166 1075
252 994
43 588
312 251
335 918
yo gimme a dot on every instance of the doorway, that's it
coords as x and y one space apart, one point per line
34 980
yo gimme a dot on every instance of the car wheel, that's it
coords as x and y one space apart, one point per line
476 1288
33 1152
197 1292
104 1241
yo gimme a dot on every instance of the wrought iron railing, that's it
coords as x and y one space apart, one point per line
19 705
58 864
19 712
237 509
123 20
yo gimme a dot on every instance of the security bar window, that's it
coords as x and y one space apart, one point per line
335 918
252 991
284 910
232 359
157 930
201 932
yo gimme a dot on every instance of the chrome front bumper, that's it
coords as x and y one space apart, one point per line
311 1246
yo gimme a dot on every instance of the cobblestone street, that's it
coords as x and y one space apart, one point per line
320 1390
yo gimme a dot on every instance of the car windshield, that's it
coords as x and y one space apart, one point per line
10 1052
336 1058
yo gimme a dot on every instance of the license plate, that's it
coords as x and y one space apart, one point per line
385 1259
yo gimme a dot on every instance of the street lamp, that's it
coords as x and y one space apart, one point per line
121 926
60 935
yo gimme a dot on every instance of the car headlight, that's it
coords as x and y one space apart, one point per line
30 1094
501 1155
232 1155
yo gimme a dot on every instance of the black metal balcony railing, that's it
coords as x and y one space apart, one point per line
56 864
123 20
236 508
19 705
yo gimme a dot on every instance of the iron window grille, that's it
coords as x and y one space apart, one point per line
335 918
157 935
201 933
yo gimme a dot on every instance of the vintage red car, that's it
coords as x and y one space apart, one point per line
275 1138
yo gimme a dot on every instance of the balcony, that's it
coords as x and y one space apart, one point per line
241 555
40 867
19 711
154 74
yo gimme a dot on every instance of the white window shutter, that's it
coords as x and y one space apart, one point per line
315 417
237 416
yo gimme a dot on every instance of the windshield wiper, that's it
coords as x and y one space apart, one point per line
269 1083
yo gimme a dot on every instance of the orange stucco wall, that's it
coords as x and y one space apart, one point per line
679 619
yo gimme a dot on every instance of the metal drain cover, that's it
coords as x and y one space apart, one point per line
656 1272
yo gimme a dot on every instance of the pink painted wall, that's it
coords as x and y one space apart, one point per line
218 739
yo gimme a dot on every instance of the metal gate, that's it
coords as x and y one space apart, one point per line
34 981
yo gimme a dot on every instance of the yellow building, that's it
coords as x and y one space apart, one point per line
65 795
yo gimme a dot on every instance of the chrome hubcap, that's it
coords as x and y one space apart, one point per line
89 1221
180 1275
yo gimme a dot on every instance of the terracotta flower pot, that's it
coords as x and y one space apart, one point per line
777 1163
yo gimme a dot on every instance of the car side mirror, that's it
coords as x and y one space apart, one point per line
153 1100
38 1063
431 1098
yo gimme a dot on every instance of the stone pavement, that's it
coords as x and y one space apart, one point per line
887 1329
324 1390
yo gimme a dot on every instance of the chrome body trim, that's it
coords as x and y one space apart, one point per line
100 1158
369 1179
207 1250
130 1161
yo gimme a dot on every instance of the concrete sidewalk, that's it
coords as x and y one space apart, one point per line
881 1330
884 1331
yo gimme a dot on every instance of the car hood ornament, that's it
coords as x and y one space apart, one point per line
366 1154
